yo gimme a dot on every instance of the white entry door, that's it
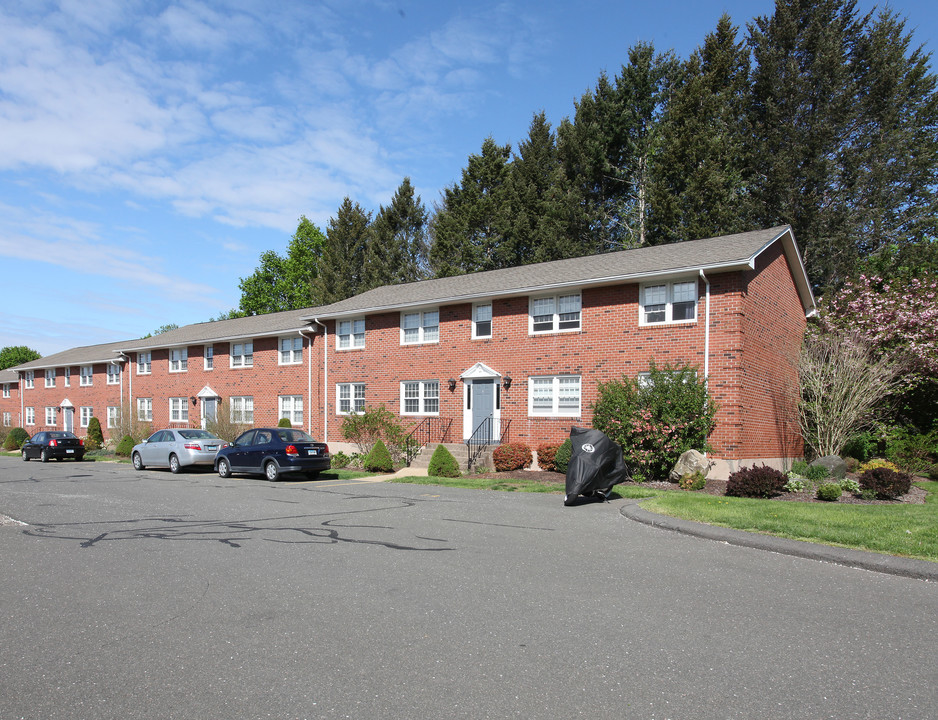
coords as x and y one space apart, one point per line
69 419
209 410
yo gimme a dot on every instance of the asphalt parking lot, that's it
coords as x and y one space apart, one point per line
150 595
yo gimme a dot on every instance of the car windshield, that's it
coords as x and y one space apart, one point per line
197 435
288 435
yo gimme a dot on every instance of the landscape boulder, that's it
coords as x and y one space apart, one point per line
689 463
836 467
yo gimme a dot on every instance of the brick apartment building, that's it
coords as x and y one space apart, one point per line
523 347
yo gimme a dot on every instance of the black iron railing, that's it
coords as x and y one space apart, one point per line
431 429
483 436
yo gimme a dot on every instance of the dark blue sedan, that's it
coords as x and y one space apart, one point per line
273 452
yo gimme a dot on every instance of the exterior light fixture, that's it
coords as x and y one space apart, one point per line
506 383
452 384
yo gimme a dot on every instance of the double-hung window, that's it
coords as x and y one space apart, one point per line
554 396
143 363
29 379
50 417
7 419
85 414
6 390
209 357
351 398
669 302
85 376
113 416
178 360
420 397
113 373
242 355
30 415
50 378
291 408
242 410
179 410
557 313
67 377
482 320
420 327
350 334
145 409
291 350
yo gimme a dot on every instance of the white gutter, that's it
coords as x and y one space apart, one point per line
706 332
325 379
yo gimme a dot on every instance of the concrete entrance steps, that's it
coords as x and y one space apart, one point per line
458 450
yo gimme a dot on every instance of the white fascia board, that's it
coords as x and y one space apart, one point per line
221 338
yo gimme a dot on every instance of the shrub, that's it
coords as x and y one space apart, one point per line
340 459
562 456
15 439
285 423
829 492
849 485
863 446
852 464
546 454
95 438
379 459
125 446
876 463
756 481
796 484
911 450
817 473
512 456
800 468
933 472
692 481
655 420
375 423
443 464
886 483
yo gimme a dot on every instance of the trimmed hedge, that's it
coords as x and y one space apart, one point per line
285 423
379 459
546 452
15 439
443 464
512 456
757 482
829 492
562 457
886 483
125 446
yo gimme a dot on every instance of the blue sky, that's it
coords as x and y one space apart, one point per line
151 151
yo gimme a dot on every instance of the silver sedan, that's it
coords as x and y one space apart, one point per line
177 448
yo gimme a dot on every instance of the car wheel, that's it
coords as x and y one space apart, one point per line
44 456
224 469
271 470
138 461
25 456
173 464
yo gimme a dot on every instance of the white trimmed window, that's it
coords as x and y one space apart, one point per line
291 408
113 416
86 412
178 410
557 313
145 409
30 415
6 390
242 410
482 320
209 357
86 375
144 363
420 327
350 398
420 397
113 374
29 379
668 302
50 417
554 396
67 376
7 419
242 355
291 350
179 360
50 377
350 334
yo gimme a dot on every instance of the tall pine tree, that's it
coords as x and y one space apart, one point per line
397 252
341 270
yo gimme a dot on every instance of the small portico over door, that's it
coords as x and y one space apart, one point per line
208 399
482 400
68 415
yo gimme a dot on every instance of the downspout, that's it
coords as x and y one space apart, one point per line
706 332
309 381
325 380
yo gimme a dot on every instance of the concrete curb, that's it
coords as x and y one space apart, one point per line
889 564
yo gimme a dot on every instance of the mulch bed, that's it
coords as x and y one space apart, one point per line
714 487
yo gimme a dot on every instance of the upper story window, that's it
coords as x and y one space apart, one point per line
86 375
179 359
6 390
242 354
291 350
50 378
113 374
554 396
420 327
350 334
209 357
143 363
557 313
351 398
482 320
668 302
29 379
67 376
420 397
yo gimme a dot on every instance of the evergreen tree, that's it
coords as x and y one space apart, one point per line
341 269
472 222
700 176
397 252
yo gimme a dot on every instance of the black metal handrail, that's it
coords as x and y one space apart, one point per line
482 437
430 429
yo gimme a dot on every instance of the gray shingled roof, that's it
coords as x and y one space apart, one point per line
86 355
722 253
8 376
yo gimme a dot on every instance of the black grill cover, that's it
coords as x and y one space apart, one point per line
596 463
